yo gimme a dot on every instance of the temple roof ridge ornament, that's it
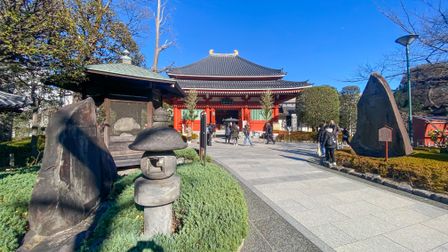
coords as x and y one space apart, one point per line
212 52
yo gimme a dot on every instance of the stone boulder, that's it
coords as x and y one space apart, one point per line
377 108
77 173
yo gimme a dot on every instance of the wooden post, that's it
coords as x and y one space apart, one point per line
387 150
150 112
106 133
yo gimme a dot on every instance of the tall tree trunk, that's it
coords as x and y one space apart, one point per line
157 43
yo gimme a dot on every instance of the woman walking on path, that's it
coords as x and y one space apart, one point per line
320 139
330 145
246 131
235 133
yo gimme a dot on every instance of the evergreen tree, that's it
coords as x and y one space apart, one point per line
349 98
317 104
267 103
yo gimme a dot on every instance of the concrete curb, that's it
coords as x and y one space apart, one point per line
402 186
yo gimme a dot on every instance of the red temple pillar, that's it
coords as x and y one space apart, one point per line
207 115
213 116
176 118
276 112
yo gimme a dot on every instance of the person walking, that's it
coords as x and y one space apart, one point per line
228 131
330 145
336 130
246 131
345 136
320 139
235 133
269 133
209 134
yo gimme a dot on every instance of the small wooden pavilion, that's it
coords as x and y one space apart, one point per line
127 95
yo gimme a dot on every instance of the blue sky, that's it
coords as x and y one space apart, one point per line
321 41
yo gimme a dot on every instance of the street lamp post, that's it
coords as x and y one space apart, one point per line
406 41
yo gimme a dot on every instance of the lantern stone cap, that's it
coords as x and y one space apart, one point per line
157 140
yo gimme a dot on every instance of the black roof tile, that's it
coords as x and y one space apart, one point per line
225 65
12 102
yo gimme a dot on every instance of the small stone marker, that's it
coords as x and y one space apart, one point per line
385 135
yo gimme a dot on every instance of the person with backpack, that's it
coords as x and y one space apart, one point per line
246 131
330 145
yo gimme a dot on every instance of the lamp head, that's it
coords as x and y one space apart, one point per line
406 40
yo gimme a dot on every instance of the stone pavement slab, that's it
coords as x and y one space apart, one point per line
334 211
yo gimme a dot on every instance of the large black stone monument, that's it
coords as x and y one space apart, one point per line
377 108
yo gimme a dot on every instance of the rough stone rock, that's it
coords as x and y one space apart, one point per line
77 173
422 193
377 108
157 140
126 124
404 187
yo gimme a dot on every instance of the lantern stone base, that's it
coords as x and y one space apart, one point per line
158 220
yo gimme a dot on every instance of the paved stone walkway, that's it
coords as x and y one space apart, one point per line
335 211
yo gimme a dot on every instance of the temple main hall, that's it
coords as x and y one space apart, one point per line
230 86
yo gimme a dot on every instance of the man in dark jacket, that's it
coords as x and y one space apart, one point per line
269 134
330 145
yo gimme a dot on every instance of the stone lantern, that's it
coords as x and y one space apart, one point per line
159 187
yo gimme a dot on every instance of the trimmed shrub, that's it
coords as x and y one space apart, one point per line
296 136
422 169
211 215
187 153
22 151
15 194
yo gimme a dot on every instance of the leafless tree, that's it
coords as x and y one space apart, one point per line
430 22
161 18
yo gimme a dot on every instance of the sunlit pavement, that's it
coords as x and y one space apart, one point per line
335 211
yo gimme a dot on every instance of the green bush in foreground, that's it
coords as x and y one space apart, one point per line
211 210
15 194
187 153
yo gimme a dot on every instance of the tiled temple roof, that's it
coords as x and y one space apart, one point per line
225 65
12 102
241 85
127 70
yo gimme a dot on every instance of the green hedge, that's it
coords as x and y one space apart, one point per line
421 169
211 212
22 151
15 194
187 153
296 136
